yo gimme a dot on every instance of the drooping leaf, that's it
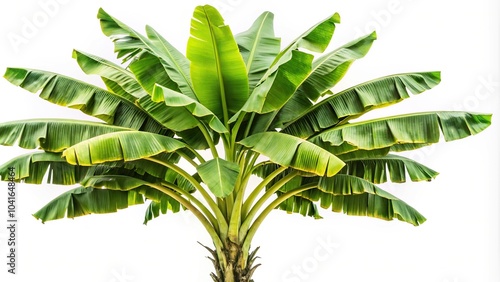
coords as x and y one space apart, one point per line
258 47
160 202
359 154
419 128
217 68
52 135
89 99
299 205
127 146
295 204
114 182
143 167
365 154
358 100
155 208
84 201
142 170
153 211
376 170
219 175
118 80
355 196
34 167
290 151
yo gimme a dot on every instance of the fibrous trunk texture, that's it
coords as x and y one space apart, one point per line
236 269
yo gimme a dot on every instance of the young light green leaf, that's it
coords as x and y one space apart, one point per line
217 68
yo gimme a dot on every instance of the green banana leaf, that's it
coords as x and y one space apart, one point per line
117 79
33 167
217 68
142 171
83 201
126 146
418 128
288 70
36 166
175 63
181 121
330 68
299 205
276 90
52 135
376 170
160 202
355 196
219 175
258 47
149 71
130 45
115 182
326 72
89 99
295 204
290 151
357 100
316 39
174 118
162 207
192 108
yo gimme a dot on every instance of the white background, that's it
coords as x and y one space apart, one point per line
458 243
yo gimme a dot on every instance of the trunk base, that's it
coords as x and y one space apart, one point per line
234 271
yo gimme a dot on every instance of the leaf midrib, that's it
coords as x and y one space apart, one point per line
219 70
177 66
254 47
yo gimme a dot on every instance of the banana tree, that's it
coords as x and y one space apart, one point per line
187 132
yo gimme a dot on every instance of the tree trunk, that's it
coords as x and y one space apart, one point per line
237 268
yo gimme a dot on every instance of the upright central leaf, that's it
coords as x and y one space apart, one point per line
258 47
218 71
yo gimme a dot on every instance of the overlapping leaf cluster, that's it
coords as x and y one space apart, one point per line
259 108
